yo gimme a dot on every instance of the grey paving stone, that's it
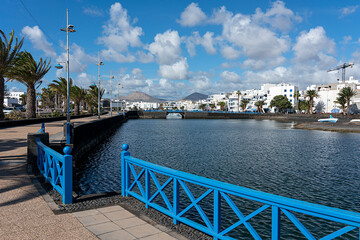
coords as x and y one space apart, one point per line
103 228
143 230
159 236
92 220
117 235
86 213
110 209
129 222
117 215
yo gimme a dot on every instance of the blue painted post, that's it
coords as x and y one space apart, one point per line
217 212
176 200
147 188
67 133
124 178
276 223
43 127
67 175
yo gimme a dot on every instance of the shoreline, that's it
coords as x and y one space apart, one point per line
340 126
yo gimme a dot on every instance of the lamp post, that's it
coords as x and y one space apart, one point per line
69 28
99 64
119 95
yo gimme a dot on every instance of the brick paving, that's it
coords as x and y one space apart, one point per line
25 215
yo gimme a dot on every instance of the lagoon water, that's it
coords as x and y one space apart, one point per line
314 166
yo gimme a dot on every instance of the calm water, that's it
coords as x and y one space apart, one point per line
315 166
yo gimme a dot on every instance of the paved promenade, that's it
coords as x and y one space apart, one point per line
25 215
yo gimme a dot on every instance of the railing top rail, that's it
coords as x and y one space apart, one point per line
252 194
49 150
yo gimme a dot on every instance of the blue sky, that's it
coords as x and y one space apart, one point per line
170 49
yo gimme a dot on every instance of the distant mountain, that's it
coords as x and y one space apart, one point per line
195 97
140 96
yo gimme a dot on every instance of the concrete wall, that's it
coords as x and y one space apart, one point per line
88 135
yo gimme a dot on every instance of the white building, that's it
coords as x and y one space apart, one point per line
16 95
272 90
142 105
329 92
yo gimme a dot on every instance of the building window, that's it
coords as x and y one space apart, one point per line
290 100
290 95
290 90
284 90
285 95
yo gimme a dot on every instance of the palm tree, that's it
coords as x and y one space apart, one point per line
23 99
29 72
311 94
60 86
93 95
244 103
212 106
7 60
47 97
259 105
222 105
347 93
304 105
296 96
238 93
77 95
342 102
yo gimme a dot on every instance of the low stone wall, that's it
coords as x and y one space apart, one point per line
87 135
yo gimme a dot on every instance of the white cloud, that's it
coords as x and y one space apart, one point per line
145 57
263 64
93 11
207 41
230 76
166 47
310 44
119 35
38 39
84 80
78 60
229 52
176 71
348 10
278 16
256 42
192 16
219 16
346 39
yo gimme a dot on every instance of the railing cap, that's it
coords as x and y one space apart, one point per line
67 150
125 147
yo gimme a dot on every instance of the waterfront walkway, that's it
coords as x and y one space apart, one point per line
25 215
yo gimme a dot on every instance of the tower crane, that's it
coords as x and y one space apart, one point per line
342 67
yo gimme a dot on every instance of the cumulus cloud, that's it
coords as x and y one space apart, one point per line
310 44
119 34
145 57
207 41
38 40
230 76
166 47
229 52
220 15
176 71
348 10
192 16
78 59
278 16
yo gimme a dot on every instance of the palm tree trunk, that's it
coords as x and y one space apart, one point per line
2 93
311 106
77 108
238 103
348 106
30 104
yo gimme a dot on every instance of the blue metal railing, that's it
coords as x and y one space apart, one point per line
42 129
222 192
56 168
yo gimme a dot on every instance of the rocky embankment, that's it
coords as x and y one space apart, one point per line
340 126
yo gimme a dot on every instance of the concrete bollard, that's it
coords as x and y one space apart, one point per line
32 149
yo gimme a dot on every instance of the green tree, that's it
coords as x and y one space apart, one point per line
48 97
297 95
222 105
311 94
259 105
202 107
347 93
92 98
77 95
212 106
29 72
342 102
243 104
8 57
304 106
23 98
238 93
60 86
281 102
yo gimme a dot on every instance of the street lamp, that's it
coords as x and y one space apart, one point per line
99 64
69 28
119 95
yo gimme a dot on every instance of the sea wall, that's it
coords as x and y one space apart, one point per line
87 136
